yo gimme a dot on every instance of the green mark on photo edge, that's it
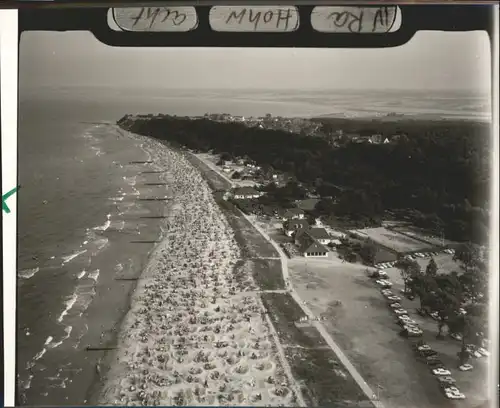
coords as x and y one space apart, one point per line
7 195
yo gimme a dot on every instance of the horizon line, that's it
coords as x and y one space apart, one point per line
291 89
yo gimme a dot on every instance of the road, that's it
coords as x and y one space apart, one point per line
317 324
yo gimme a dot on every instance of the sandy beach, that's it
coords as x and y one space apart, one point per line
195 333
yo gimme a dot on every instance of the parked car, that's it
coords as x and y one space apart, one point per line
406 320
384 283
470 348
395 305
451 388
446 379
434 315
466 367
428 353
400 311
393 298
455 396
456 336
483 351
386 265
376 274
411 331
441 371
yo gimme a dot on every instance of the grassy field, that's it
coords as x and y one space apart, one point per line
444 262
324 380
214 180
253 243
422 235
394 241
383 255
267 274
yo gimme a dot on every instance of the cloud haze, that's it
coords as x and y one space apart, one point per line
431 60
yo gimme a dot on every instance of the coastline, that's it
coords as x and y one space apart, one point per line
129 286
245 368
78 296
301 369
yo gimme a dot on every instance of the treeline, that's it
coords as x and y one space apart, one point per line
437 175
404 125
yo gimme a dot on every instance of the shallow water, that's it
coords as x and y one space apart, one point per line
75 239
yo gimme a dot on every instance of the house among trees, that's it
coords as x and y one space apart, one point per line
310 247
400 137
318 234
292 214
246 193
375 139
292 226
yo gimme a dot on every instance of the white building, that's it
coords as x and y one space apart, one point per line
246 193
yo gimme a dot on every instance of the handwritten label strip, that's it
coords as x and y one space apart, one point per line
354 20
166 19
255 18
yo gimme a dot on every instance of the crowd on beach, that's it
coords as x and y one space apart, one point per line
195 334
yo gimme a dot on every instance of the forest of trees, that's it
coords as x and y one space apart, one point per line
437 175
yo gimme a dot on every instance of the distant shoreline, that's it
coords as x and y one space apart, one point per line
305 104
407 117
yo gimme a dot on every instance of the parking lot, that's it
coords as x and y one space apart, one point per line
360 320
470 383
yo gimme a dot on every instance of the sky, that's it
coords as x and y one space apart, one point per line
430 61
